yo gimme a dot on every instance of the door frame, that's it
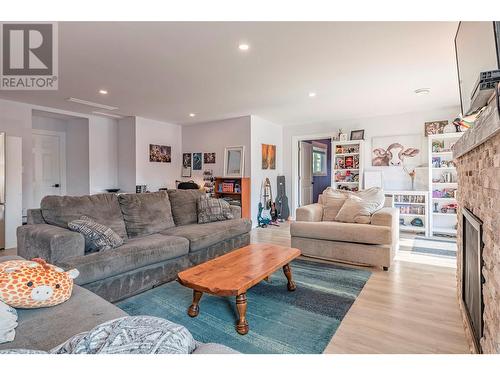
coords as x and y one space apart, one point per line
296 139
62 154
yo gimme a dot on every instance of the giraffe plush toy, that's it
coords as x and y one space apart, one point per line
29 284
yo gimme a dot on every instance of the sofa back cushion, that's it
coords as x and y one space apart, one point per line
332 202
184 209
146 213
102 208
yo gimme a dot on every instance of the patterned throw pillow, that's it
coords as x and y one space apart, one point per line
97 236
212 209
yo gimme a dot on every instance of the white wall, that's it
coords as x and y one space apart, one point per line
215 136
401 124
157 175
13 189
263 131
16 120
103 154
126 154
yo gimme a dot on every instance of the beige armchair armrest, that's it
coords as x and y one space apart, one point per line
311 212
387 217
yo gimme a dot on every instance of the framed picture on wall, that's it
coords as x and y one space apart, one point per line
186 165
268 156
209 158
160 154
234 161
357 135
197 160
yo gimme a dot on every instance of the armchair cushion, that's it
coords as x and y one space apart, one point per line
344 232
311 212
387 216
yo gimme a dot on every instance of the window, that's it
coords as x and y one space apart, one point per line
319 161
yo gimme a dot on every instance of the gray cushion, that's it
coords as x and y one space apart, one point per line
136 253
201 236
103 208
212 348
97 236
184 207
47 327
146 213
213 209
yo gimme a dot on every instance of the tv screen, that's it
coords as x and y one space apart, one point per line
476 46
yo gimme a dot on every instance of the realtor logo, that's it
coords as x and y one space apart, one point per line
29 56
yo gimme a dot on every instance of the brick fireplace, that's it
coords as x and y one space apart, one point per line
478 167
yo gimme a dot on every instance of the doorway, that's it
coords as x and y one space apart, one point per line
314 169
49 163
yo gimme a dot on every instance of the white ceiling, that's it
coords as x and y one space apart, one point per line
166 70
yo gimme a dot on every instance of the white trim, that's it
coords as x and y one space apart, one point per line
242 162
295 165
62 153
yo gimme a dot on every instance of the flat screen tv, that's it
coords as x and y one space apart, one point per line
477 49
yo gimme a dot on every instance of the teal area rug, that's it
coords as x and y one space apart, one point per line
280 321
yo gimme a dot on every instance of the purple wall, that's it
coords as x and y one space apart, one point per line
322 182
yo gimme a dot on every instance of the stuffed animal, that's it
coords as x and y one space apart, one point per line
29 284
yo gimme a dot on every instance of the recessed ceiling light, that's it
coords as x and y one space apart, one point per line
103 92
192 114
312 94
244 47
423 91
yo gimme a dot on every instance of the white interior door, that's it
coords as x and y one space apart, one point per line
49 165
305 173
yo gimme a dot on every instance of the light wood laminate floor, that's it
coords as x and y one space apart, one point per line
412 308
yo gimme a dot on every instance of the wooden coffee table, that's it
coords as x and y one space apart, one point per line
234 273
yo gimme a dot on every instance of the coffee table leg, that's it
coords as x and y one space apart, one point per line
241 305
288 273
194 309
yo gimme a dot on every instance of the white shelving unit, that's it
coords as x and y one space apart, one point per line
442 184
347 162
412 204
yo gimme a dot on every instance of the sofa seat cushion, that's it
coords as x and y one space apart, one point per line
136 253
201 236
345 232
146 213
102 208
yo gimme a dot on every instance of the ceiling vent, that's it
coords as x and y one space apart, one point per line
91 104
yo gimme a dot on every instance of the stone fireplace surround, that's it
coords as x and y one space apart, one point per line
477 154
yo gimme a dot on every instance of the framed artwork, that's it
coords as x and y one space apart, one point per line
396 151
268 156
343 137
209 157
357 135
160 154
234 161
435 127
186 165
197 161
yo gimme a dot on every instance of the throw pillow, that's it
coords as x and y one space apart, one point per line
31 284
8 323
333 200
131 335
212 209
361 205
97 236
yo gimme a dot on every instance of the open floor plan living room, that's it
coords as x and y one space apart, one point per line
282 187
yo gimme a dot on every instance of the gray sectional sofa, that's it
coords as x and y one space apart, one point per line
160 233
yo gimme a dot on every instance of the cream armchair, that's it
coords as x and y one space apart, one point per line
373 244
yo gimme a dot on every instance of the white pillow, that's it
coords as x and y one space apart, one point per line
332 201
8 323
359 207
